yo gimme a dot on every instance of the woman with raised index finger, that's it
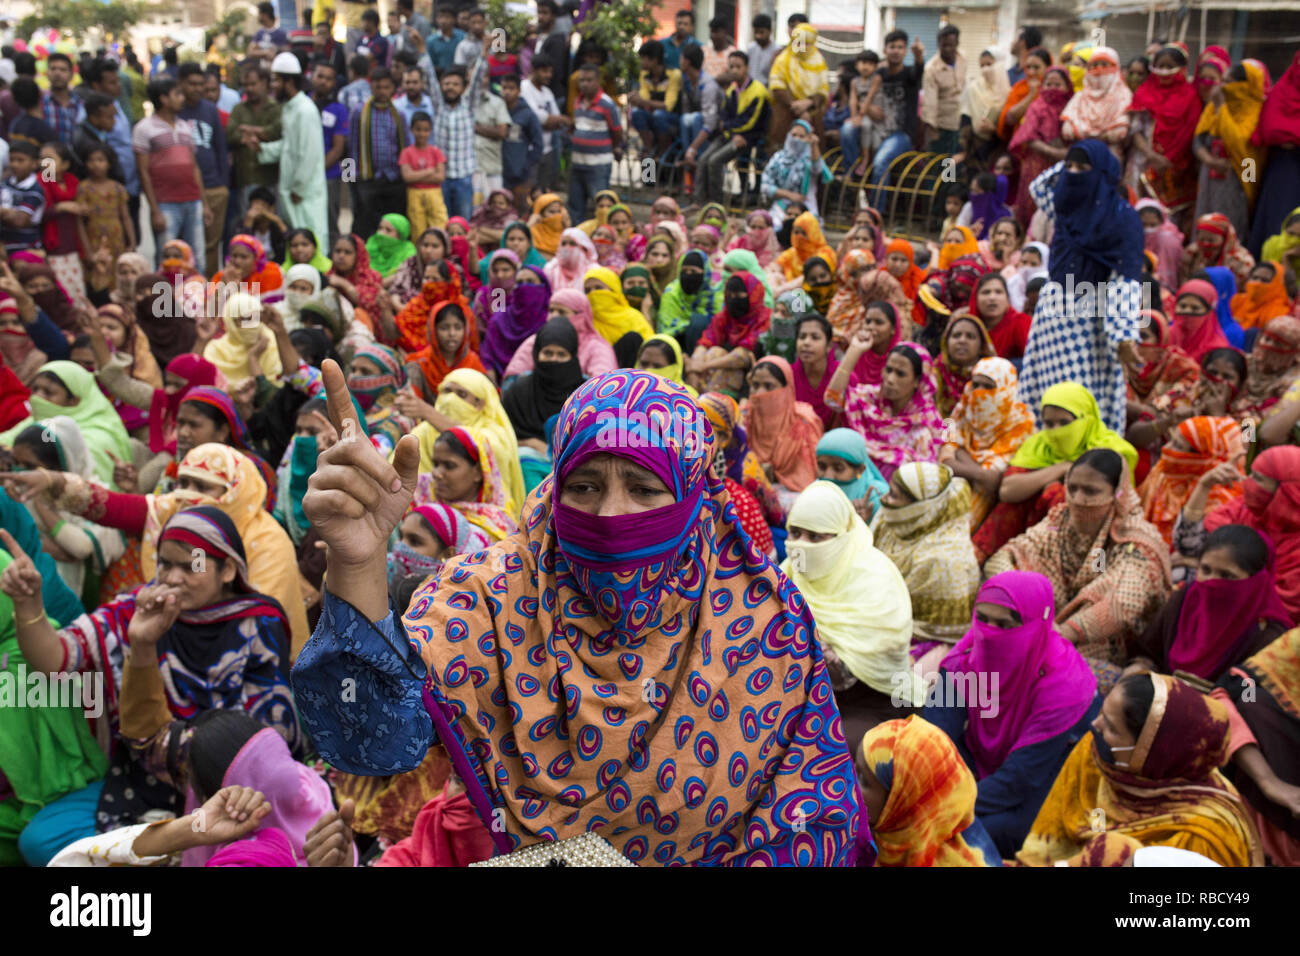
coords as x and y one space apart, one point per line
627 663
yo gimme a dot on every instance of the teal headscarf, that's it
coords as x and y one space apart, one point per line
534 258
852 447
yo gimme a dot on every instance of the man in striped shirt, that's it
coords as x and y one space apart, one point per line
597 142
453 133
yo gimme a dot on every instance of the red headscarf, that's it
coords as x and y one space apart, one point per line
730 332
368 282
432 365
196 371
782 431
1197 335
911 279
1279 121
1176 108
1276 515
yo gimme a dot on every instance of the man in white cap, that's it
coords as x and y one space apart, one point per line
300 151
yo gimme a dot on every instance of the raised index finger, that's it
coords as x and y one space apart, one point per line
13 547
338 399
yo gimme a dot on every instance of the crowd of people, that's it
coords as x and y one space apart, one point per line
511 514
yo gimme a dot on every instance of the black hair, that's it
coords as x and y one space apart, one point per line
720 23
685 13
359 64
794 19
1232 356
652 50
421 117
314 406
319 61
293 234
24 64
26 93
659 344
59 58
46 452
1139 693
313 346
986 279
263 72
508 78
1032 36
457 71
371 16
1146 64
95 70
406 4
212 414
170 56
817 317
219 735
693 55
1039 53
1035 285
264 193
159 88
23 148
761 22
888 308
894 35
442 267
774 370
381 73
550 5
948 30
1249 551
1107 461
987 181
867 56
98 148
812 261
1237 74
453 310
53 376
186 70
95 101
912 356
960 190
451 442
541 63
738 54
61 149
266 9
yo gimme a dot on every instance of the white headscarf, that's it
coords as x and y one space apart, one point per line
291 307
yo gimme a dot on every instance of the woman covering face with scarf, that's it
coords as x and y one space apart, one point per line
684 531
232 353
1215 244
574 257
1229 177
1100 109
1164 135
691 300
725 350
375 377
537 395
595 355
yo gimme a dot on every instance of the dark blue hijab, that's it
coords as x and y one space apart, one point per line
1097 231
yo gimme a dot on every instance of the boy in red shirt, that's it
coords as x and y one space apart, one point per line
424 167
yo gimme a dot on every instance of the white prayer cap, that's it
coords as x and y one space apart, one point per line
286 63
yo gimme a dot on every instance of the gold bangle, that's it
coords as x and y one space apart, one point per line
31 620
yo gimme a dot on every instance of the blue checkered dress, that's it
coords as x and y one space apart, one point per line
1075 341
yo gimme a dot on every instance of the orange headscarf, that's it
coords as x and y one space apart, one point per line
784 432
911 279
432 365
950 253
1262 301
546 230
1165 491
802 248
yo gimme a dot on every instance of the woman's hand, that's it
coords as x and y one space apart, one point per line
206 327
412 406
23 486
230 814
125 475
1225 473
356 498
156 608
21 581
329 841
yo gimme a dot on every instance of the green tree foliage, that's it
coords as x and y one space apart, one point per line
514 24
83 19
615 27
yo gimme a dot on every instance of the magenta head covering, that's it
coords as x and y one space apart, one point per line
298 795
265 847
1043 685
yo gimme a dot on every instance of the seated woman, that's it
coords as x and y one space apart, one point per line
301 247
1230 611
248 802
1196 451
863 362
782 432
964 342
438 284
988 426
897 417
779 339
82 550
1195 326
576 255
919 798
1269 503
511 307
209 474
65 388
561 560
743 466
831 560
1032 483
1273 366
1264 727
1036 698
662 355
1000 249
622 326
450 327
924 528
819 283
217 642
899 265
248 348
432 246
1265 296
426 538
842 459
814 366
491 218
690 301
1162 390
806 240
1223 373
1031 265
468 398
1108 566
375 377
247 268
847 307
639 290
356 283
1148 772
118 343
724 353
1215 244
519 240
390 246
595 355
1008 328
537 395
466 475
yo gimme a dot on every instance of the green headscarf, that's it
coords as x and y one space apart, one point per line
45 752
636 270
679 311
320 262
386 253
533 258
742 260
1051 446
94 414
713 214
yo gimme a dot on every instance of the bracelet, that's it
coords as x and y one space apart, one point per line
31 620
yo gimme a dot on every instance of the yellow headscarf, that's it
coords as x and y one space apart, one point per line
871 637
800 68
244 327
546 230
675 371
611 313
491 420
1234 123
589 226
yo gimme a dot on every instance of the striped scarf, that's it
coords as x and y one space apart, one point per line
365 161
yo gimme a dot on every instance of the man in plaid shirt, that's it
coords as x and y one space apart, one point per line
453 133
62 108
377 134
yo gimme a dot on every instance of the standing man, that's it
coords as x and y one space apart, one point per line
1029 38
521 152
414 21
62 107
169 172
597 141
682 36
552 45
719 48
324 47
491 126
893 104
453 133
258 111
334 127
24 69
762 51
227 98
268 34
104 76
371 44
378 134
701 104
538 94
412 99
472 52
354 95
942 86
444 41
210 151
299 150
746 111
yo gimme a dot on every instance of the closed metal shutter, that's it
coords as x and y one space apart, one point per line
920 22
978 32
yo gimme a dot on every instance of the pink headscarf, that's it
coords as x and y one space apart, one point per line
566 270
266 847
1200 334
1044 686
298 795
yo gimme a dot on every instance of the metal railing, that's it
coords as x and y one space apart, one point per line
908 203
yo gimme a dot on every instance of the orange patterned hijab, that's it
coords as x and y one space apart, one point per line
991 424
803 248
929 816
1212 442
